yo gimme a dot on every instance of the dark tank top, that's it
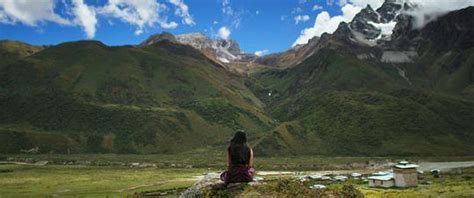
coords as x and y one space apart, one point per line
239 154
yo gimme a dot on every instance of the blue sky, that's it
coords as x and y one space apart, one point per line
255 24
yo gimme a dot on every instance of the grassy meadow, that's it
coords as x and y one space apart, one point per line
112 175
89 181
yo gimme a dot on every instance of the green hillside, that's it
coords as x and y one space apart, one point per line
336 104
87 97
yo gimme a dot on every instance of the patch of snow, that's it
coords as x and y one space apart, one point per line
398 56
385 28
365 56
224 60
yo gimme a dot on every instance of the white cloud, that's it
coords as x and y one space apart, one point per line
231 16
30 13
428 11
257 12
301 18
182 10
223 33
261 52
283 17
317 7
363 3
168 25
226 8
325 23
85 17
140 13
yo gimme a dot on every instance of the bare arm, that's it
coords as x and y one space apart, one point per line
251 158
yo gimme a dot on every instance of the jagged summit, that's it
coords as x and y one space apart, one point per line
221 50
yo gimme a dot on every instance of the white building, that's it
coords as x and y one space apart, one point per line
384 181
404 175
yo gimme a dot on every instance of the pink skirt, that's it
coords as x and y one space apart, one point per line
238 174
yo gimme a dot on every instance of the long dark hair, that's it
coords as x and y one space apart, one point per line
239 149
240 138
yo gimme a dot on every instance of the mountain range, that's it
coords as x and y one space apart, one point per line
377 86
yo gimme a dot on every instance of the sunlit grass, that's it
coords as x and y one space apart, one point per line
28 180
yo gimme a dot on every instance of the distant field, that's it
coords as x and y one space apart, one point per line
215 159
89 181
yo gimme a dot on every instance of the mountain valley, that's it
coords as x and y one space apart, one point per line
361 91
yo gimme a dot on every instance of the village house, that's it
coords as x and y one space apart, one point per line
384 181
404 175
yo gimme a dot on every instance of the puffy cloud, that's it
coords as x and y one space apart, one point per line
223 33
29 12
363 3
301 18
325 23
182 10
428 11
140 13
261 52
85 17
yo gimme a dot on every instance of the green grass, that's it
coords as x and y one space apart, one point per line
77 181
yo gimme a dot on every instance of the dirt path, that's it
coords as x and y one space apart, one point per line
444 166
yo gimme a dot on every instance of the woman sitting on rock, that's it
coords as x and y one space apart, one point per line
239 160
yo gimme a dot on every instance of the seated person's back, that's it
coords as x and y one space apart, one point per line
239 160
